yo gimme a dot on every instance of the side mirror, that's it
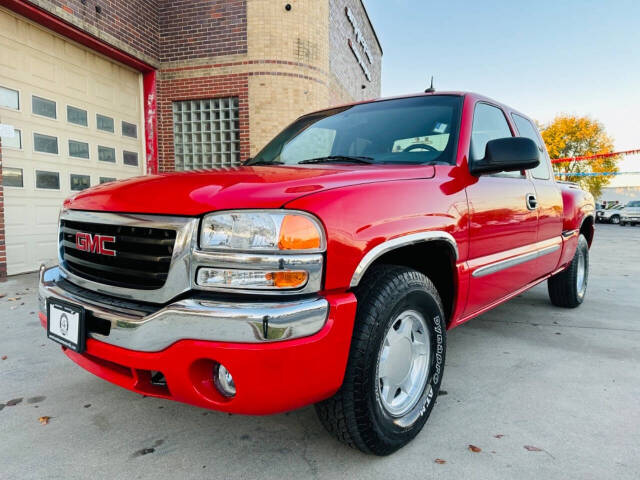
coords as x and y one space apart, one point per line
507 155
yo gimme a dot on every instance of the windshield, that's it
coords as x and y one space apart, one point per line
413 130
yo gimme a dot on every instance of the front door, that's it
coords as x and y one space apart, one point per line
503 220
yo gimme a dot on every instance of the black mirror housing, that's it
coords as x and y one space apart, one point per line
507 155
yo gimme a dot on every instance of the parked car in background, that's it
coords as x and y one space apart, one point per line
610 215
630 214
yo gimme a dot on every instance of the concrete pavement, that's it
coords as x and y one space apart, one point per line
543 392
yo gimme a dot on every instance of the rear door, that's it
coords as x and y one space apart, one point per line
548 199
503 228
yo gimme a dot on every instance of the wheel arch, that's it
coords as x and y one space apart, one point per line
432 253
587 228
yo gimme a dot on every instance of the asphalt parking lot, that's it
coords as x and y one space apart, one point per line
542 392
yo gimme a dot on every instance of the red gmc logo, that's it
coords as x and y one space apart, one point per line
95 243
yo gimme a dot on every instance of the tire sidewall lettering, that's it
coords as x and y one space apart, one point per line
415 417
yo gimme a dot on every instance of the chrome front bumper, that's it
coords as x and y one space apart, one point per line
137 328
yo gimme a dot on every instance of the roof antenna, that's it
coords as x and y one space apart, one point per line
430 89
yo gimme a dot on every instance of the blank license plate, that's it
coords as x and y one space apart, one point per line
65 324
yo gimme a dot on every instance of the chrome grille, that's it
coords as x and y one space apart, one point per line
142 260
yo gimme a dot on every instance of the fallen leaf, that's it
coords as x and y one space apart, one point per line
474 449
440 461
2 295
44 420
531 448
12 299
13 402
500 435
4 357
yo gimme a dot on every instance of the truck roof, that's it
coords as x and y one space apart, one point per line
473 95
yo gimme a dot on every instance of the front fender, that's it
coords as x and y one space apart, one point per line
360 218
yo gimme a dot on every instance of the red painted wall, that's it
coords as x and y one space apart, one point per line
3 250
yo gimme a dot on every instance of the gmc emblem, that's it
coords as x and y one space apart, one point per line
95 243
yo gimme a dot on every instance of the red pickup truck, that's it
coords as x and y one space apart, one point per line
324 271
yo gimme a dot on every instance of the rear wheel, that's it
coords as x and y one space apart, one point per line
395 363
568 288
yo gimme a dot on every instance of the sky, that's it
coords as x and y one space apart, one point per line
541 57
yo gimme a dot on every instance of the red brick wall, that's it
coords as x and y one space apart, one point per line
165 30
192 29
3 250
134 22
234 85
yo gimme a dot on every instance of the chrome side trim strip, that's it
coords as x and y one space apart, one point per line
399 242
195 319
312 263
512 262
178 279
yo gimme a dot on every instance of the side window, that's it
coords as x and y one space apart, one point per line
526 129
489 123
9 98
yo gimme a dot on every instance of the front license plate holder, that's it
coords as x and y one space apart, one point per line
66 324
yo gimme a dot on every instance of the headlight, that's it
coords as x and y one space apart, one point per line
247 230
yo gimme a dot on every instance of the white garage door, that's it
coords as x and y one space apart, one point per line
78 119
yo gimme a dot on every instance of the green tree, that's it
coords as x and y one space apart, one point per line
570 136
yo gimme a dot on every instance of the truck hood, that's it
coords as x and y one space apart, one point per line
198 192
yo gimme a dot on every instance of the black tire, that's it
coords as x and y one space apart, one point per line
565 288
615 219
355 415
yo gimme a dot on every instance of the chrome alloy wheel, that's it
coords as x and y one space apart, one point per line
581 274
404 363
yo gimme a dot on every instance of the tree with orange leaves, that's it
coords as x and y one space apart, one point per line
570 136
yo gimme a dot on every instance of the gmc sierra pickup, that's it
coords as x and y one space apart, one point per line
326 270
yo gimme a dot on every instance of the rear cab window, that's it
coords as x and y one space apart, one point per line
527 129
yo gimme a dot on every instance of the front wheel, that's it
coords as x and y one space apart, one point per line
395 363
568 288
615 219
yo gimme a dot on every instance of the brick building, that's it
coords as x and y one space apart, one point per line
96 90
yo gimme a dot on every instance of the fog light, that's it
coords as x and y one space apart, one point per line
224 381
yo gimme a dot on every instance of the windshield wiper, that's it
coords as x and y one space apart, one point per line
263 162
339 158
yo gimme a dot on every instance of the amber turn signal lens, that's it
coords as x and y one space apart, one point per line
298 233
287 279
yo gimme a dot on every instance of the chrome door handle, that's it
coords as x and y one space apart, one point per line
532 201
